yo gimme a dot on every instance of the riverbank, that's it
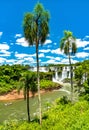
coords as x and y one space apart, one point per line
15 96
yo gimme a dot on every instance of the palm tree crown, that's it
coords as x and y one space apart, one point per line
36 25
68 43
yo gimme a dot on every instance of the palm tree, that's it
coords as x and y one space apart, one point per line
28 83
68 45
35 31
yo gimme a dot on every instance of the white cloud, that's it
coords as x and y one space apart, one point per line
23 58
53 58
66 61
45 51
55 43
5 52
18 35
1 34
4 47
2 60
33 55
57 51
41 55
22 42
21 55
87 48
57 58
11 61
82 55
51 61
19 62
81 43
50 57
29 59
87 36
48 41
24 55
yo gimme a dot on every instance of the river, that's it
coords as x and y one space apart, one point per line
16 109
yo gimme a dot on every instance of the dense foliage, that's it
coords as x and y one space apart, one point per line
82 76
47 75
9 76
47 84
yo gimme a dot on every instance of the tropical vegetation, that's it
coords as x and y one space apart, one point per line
62 114
14 77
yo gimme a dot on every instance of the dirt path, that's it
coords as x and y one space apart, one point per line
14 95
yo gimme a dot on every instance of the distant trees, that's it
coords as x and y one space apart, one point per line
9 76
79 76
82 78
82 75
68 45
36 30
85 66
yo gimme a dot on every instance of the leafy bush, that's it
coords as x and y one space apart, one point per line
4 88
86 86
46 75
9 76
47 84
64 100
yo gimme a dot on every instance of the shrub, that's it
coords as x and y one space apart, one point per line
47 84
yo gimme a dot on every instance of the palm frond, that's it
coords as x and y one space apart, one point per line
29 28
44 31
66 48
62 43
74 48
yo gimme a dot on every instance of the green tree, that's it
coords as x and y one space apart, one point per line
79 76
36 30
68 45
85 66
28 83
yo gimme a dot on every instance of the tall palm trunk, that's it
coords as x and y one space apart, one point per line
28 109
71 78
24 93
38 82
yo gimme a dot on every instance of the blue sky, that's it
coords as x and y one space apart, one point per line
70 15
